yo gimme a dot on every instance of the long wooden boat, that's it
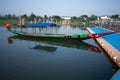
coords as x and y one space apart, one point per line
48 35
58 36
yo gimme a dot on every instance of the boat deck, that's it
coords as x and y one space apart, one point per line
110 43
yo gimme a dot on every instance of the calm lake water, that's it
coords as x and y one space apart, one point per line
30 59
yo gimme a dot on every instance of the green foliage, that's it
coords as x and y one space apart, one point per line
8 17
56 18
116 16
93 17
45 18
81 20
32 16
84 16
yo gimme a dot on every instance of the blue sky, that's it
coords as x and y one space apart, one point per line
60 7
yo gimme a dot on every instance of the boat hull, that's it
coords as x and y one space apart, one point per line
52 36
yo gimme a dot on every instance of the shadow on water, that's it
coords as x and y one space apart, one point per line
51 44
46 48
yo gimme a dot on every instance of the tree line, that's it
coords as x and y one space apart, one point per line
54 18
29 18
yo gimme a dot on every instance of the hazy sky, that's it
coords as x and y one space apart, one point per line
60 7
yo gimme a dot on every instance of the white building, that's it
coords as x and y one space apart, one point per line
66 17
105 18
66 20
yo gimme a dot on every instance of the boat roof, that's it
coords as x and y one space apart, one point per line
41 24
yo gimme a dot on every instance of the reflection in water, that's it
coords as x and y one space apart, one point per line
10 41
52 43
46 48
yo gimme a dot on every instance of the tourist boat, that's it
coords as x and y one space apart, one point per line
55 36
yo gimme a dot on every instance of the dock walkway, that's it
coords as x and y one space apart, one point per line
110 43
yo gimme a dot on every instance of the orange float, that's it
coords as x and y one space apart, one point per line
8 25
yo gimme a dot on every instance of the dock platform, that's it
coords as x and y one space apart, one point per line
110 43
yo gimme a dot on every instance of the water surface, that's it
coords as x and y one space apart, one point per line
29 59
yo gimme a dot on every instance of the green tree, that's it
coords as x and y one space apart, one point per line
32 16
39 18
116 16
25 16
56 18
74 17
93 17
45 18
13 17
9 16
84 16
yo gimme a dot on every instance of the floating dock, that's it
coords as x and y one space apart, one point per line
110 43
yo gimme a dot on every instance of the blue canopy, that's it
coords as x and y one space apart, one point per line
41 24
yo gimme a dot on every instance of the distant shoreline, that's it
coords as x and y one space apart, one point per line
4 22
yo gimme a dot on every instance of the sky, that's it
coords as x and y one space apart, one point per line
60 7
